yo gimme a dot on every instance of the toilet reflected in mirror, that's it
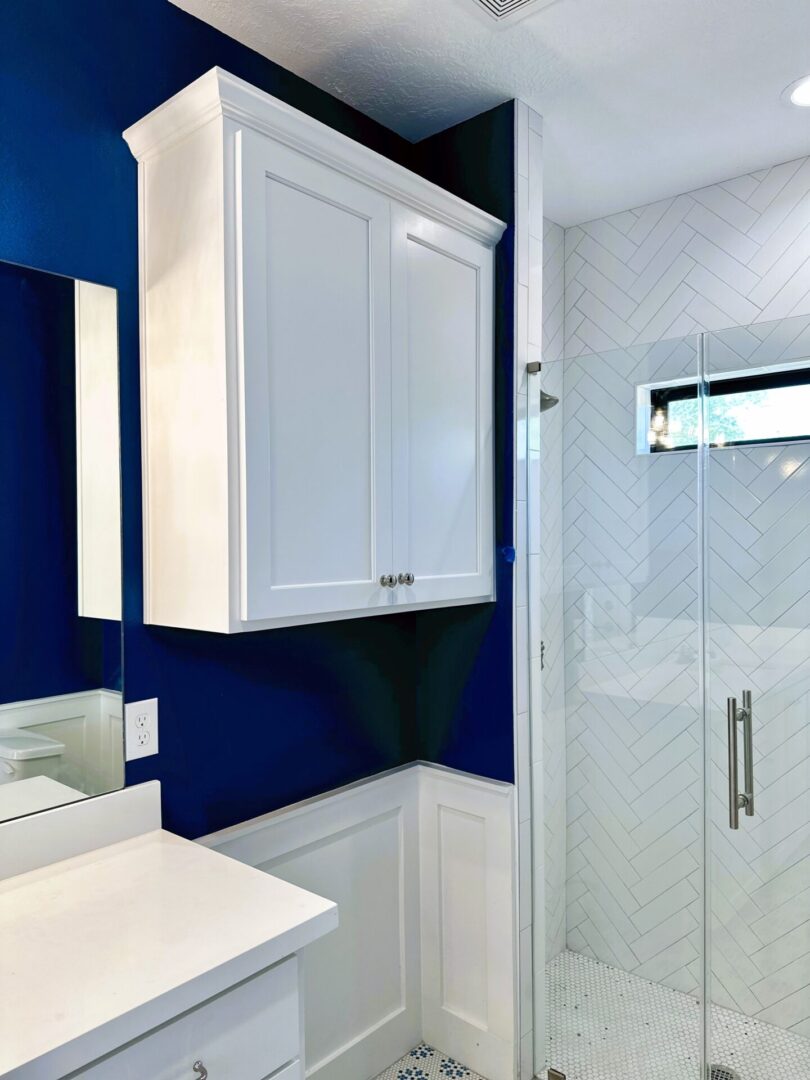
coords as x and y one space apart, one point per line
61 735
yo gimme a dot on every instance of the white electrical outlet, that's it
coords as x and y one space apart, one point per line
141 728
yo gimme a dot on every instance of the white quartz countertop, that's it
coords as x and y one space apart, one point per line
98 949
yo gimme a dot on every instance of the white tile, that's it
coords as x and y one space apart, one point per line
426 1063
527 1056
522 230
535 282
521 543
522 137
521 444
603 1023
523 758
535 222
525 874
522 659
525 946
522 338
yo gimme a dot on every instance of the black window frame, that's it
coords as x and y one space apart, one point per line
662 396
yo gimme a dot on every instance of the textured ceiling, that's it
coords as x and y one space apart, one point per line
641 99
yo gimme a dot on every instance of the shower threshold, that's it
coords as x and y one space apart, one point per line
604 1024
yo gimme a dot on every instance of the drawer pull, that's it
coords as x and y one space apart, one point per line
200 1070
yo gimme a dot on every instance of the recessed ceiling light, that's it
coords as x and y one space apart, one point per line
798 93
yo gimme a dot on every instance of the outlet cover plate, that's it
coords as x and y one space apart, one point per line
141 728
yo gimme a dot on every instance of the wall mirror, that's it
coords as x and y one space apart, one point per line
61 714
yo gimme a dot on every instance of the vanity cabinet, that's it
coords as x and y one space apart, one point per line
249 1033
317 370
162 960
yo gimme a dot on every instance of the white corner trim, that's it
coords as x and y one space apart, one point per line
40 839
217 94
398 853
468 926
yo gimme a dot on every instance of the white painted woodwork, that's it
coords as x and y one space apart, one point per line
279 482
359 846
316 399
89 723
419 861
466 857
442 288
98 475
247 1032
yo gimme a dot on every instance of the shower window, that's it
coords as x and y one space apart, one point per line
741 410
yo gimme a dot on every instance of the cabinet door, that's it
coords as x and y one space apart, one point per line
442 400
314 385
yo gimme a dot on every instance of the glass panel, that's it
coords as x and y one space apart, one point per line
61 715
618 732
758 643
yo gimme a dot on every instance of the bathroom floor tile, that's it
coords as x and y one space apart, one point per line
426 1063
604 1024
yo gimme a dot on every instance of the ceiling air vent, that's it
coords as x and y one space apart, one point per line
503 10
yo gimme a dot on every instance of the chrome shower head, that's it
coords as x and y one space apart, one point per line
547 401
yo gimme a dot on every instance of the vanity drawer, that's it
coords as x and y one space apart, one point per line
246 1033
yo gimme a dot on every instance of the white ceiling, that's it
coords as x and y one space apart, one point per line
641 99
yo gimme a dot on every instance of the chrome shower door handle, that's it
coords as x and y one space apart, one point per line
748 750
738 800
733 789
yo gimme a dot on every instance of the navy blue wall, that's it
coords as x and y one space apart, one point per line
255 721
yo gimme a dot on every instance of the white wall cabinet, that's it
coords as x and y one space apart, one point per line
317 368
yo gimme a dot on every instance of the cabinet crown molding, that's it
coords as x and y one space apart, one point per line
218 94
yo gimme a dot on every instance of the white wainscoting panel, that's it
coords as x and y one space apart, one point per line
358 847
468 931
90 725
425 943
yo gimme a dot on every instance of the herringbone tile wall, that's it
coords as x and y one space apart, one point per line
619 546
634 746
726 255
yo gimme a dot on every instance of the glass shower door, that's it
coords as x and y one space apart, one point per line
618 734
756 507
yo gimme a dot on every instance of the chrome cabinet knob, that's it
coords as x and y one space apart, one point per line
388 581
406 579
200 1070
